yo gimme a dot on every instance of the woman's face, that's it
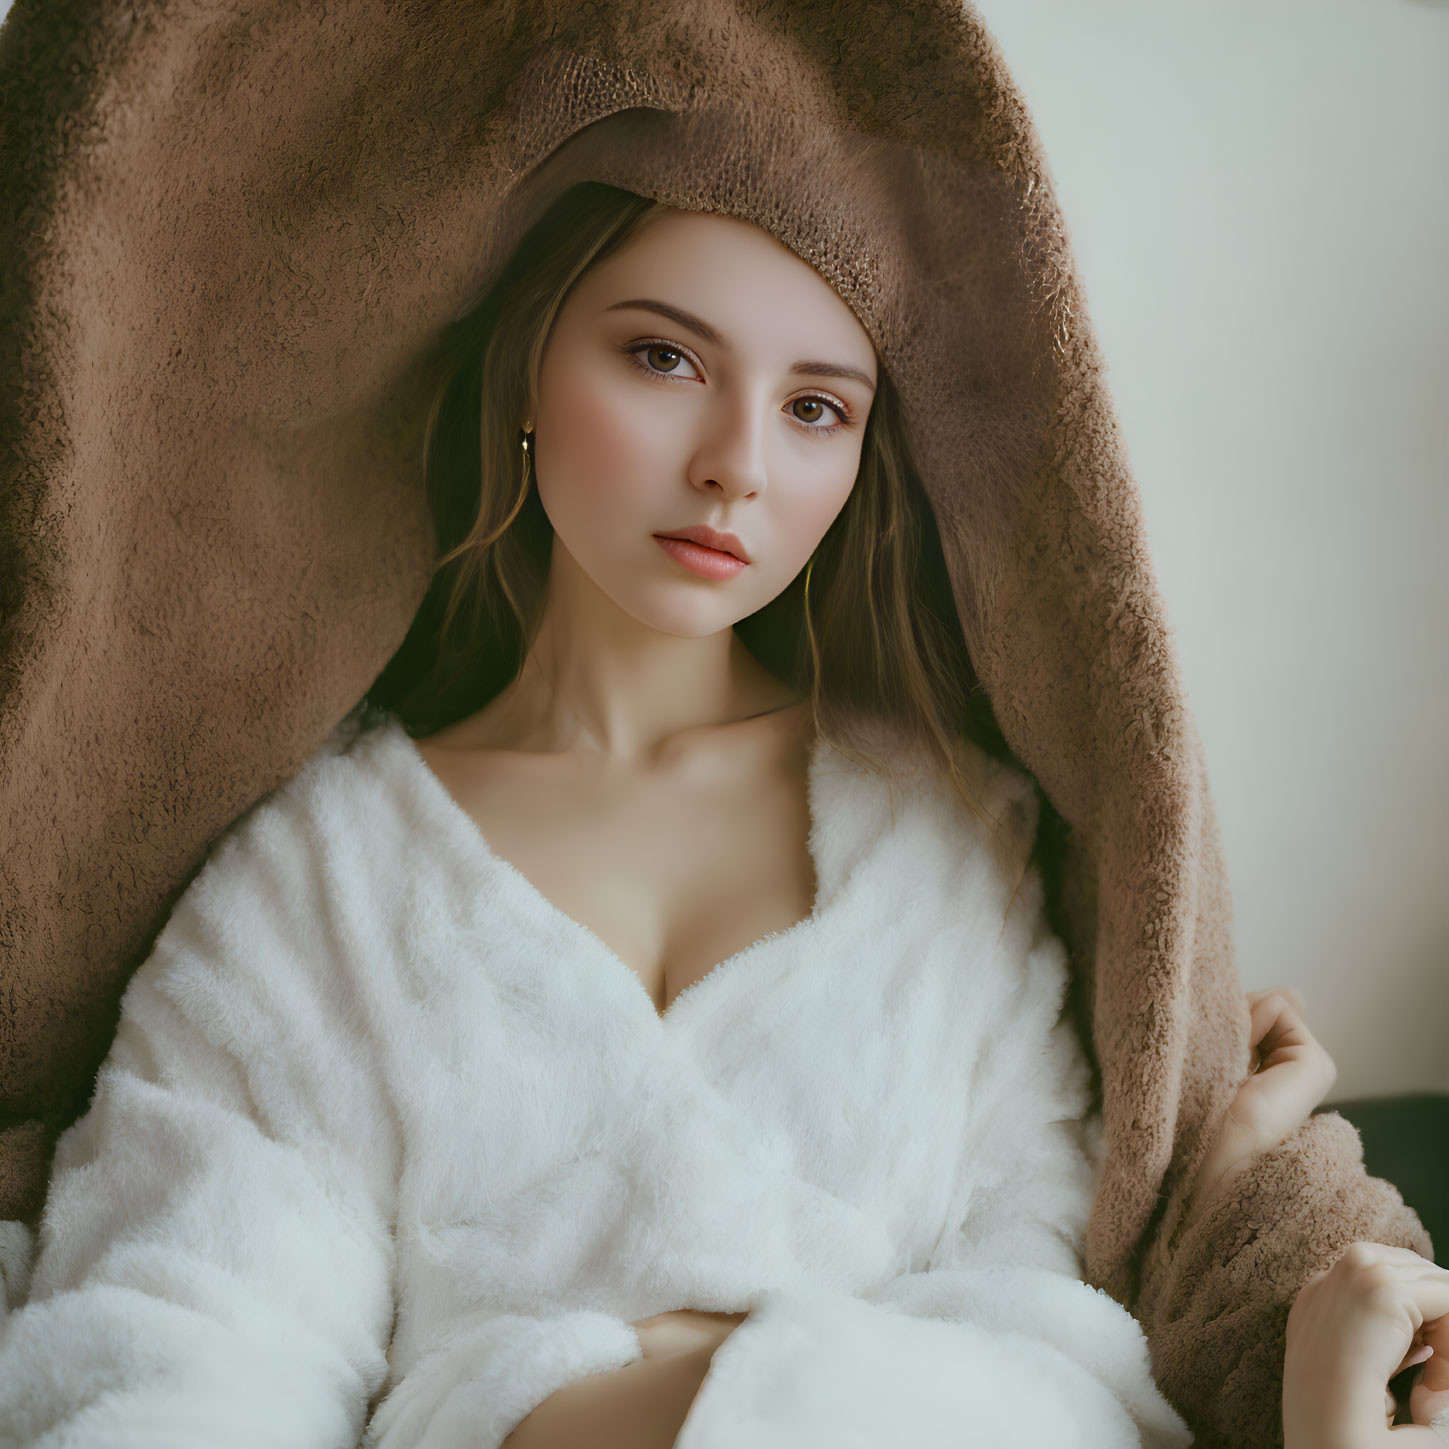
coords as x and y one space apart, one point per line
742 410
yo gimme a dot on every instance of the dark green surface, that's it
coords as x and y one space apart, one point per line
1406 1141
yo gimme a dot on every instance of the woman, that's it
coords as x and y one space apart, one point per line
356 1146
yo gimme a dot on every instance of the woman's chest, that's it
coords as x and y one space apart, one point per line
674 872
816 1106
842 1066
837 1064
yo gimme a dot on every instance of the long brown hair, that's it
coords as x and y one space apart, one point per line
868 628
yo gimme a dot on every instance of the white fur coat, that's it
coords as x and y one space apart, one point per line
381 1126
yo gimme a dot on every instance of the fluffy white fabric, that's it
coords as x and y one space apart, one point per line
16 1252
381 1123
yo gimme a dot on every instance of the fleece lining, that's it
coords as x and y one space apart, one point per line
381 1121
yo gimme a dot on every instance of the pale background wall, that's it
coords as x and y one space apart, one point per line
1257 193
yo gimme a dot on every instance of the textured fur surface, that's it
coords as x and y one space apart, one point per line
232 236
381 1121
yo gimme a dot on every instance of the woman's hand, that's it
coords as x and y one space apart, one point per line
1377 1311
1290 1075
685 1330
640 1406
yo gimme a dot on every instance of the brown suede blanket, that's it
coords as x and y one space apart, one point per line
233 233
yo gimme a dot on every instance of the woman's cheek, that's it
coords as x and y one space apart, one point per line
590 469
630 461
821 502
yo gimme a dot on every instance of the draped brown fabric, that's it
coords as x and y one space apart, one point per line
232 236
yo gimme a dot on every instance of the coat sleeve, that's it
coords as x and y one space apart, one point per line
17 1250
1215 1295
477 1375
994 1341
215 1253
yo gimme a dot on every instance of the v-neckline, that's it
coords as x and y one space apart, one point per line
446 803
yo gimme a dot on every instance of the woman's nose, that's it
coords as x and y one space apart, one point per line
732 454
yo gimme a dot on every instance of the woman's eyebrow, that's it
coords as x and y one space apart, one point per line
702 329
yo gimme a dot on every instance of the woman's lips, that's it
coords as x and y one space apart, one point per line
708 563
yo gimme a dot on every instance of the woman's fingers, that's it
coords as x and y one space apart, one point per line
1430 1394
1278 1031
1294 995
683 1330
1435 1335
1419 1353
1400 1285
1291 1074
1358 1324
1362 1253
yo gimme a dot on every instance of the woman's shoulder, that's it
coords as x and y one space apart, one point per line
350 757
981 796
262 912
963 855
297 833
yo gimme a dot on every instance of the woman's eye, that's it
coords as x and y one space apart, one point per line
820 407
660 358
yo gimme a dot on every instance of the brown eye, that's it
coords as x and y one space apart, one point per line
662 359
820 407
